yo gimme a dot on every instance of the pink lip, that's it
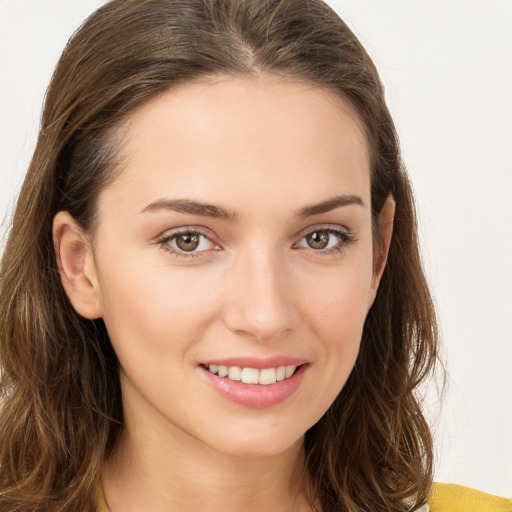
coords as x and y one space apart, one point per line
255 396
257 363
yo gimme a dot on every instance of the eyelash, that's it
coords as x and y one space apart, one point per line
344 236
345 239
165 240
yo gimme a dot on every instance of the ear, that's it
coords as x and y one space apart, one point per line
77 267
386 218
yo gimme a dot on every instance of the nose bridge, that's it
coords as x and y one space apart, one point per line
260 303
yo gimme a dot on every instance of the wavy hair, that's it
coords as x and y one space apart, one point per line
61 411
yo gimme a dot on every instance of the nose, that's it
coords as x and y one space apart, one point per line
259 300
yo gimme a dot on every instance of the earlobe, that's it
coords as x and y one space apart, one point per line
77 268
386 219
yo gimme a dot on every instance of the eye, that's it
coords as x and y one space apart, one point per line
322 240
187 243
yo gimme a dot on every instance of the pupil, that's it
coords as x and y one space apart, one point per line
318 240
188 242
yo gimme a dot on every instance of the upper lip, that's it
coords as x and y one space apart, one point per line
257 363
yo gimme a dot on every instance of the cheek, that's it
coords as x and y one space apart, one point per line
335 311
164 309
339 301
338 324
334 316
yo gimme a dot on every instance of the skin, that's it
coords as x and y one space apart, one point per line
263 149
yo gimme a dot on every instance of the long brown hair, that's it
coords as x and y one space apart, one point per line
60 399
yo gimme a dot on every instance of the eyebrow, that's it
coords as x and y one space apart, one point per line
330 204
193 208
218 212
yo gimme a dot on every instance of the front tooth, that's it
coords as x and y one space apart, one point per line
223 371
250 376
234 373
213 368
281 373
289 370
267 376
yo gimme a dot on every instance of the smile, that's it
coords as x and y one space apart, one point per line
265 386
264 376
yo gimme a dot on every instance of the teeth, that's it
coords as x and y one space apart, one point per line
289 371
250 376
264 377
235 373
267 376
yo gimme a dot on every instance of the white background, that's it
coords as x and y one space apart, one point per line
447 67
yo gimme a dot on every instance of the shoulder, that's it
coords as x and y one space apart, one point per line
457 498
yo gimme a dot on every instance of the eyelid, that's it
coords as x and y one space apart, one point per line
164 238
324 227
348 237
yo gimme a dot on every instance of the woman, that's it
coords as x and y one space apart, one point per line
211 296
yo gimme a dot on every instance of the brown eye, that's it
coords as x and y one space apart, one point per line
188 241
326 240
318 239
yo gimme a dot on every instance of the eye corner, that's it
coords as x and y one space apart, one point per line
325 244
199 243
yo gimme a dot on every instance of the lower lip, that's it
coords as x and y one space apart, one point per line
256 396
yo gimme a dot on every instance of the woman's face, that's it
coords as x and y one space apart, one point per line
237 239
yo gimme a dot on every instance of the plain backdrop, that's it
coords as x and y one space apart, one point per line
447 68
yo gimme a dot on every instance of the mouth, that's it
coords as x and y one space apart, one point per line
247 375
255 383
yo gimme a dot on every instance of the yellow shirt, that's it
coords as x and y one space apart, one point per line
457 498
443 498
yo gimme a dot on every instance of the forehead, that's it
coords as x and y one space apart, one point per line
245 136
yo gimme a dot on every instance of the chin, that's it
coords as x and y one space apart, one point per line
264 450
248 444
